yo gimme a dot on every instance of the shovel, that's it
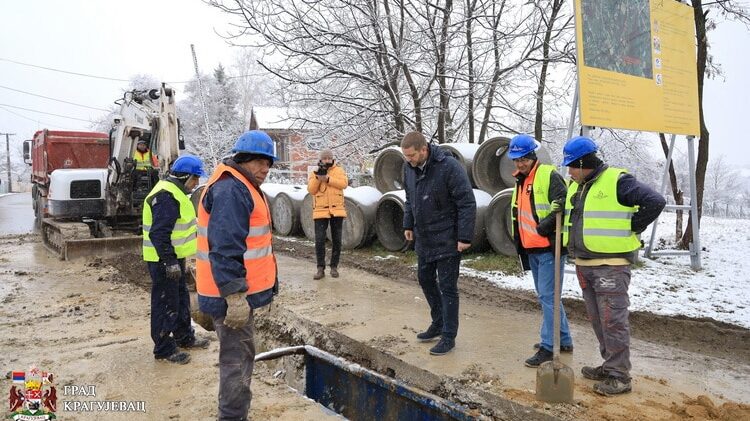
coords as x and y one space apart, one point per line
554 380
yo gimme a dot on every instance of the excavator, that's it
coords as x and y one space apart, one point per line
97 211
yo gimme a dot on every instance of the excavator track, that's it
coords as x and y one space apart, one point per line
73 240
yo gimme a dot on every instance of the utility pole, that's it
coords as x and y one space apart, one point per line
7 155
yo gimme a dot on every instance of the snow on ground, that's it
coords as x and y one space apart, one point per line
667 285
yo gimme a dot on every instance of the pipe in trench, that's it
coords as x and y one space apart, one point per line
390 215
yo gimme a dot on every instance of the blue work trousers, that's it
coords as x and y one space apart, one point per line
543 271
439 282
170 311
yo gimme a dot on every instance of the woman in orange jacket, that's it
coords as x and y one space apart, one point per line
326 185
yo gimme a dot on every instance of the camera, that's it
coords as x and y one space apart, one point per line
323 168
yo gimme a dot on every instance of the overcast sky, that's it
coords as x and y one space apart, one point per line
121 39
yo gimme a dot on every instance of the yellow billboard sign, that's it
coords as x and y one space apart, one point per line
637 65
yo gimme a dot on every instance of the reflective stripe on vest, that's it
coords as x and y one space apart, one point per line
538 179
259 261
184 234
142 160
606 223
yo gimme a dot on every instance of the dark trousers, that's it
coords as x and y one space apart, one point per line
321 226
439 282
605 292
236 362
170 311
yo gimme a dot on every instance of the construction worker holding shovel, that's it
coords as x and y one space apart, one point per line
605 209
538 195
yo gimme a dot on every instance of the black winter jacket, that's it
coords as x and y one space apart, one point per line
440 207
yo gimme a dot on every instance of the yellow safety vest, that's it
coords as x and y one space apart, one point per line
606 223
142 160
185 230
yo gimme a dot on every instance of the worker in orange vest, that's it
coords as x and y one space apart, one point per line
235 264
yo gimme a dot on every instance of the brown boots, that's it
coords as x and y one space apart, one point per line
321 273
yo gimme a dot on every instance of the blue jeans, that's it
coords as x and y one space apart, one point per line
439 282
170 311
543 271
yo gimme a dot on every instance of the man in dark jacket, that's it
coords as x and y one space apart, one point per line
169 236
538 196
605 210
439 215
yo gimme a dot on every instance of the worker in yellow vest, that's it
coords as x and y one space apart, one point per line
144 159
605 209
169 237
539 193
236 267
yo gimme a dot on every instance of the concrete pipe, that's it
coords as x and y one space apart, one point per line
305 217
498 223
359 226
464 153
493 172
390 216
389 221
479 243
388 170
271 190
285 211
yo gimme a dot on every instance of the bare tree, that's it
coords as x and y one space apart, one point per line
727 9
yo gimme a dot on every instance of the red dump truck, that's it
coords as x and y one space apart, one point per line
50 150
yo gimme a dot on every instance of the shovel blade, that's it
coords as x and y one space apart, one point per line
554 384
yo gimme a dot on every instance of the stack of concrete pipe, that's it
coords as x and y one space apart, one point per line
390 216
285 210
388 171
359 226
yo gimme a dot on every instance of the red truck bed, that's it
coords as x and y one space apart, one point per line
60 149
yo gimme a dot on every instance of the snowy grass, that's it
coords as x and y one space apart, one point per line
667 285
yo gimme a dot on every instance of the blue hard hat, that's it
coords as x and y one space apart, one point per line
576 148
255 142
522 145
188 164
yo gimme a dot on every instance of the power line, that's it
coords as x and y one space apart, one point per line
51 69
54 99
38 122
64 71
43 112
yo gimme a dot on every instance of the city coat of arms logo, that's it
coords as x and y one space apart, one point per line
32 396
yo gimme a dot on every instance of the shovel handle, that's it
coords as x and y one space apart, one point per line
556 306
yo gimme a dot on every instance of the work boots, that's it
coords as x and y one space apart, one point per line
320 274
593 373
431 333
443 347
566 349
334 272
612 386
541 356
176 358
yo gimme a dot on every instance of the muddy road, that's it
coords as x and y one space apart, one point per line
88 322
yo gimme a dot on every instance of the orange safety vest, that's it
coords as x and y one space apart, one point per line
260 263
526 222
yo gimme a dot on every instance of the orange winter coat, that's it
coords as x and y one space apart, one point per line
328 196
